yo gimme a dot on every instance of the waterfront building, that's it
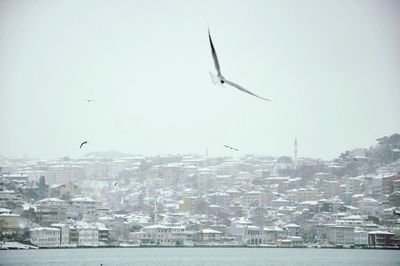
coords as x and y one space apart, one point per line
340 235
162 235
64 233
45 236
360 237
380 238
84 234
292 229
208 235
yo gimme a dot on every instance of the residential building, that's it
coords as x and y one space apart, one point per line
64 233
291 242
360 237
162 235
45 236
85 207
208 235
9 222
7 197
104 233
394 199
340 235
292 230
84 234
50 210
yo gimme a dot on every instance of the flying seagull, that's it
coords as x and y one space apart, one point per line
232 148
89 100
221 78
83 143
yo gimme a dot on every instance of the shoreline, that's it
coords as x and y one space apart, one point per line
208 246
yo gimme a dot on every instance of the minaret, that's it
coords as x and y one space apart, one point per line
295 151
155 211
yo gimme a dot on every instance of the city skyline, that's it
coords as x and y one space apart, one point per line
330 69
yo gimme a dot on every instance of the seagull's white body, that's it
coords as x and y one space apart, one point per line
221 79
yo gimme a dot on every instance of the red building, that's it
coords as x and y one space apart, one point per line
380 238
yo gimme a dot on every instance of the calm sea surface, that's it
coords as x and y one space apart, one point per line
199 256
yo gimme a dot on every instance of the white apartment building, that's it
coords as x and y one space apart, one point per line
8 196
171 173
373 186
368 206
354 185
238 227
9 222
45 236
84 234
64 233
205 178
253 198
340 235
208 235
117 166
360 237
303 194
85 207
163 235
50 210
244 232
292 230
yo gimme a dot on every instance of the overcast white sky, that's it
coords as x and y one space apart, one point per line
331 68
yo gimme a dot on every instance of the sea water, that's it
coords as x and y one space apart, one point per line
199 256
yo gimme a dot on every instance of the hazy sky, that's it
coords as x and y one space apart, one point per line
331 68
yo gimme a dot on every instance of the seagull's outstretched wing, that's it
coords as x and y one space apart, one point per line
214 54
232 148
83 143
244 90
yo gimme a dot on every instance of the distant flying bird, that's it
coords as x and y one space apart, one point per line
395 212
116 183
83 143
221 78
89 100
232 148
355 159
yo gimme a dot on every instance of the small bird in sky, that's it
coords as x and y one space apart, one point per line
232 148
355 159
221 78
89 100
395 212
116 183
83 143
